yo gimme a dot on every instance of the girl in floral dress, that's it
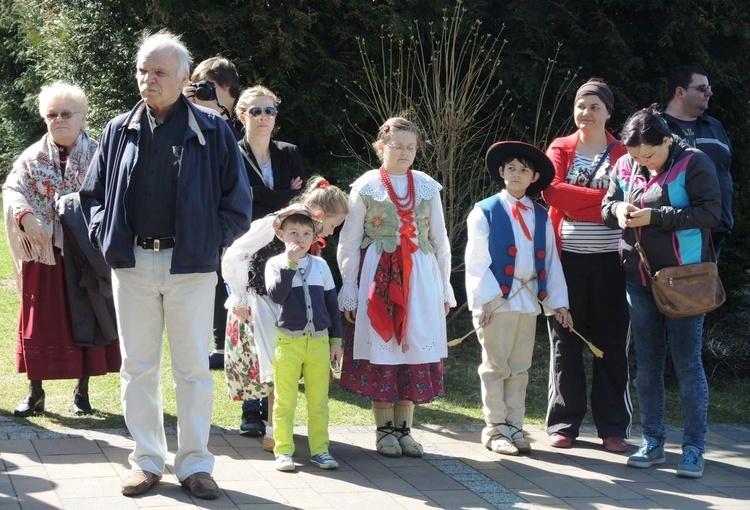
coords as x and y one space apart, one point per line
395 263
251 321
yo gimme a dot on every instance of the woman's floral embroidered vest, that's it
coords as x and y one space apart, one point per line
381 225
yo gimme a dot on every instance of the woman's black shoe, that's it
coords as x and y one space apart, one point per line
30 406
81 404
216 361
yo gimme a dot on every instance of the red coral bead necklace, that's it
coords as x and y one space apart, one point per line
405 203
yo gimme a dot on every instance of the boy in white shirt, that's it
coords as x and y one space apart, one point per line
512 265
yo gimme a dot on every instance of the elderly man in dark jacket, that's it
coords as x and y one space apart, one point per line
165 190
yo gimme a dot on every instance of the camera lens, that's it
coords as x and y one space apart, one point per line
205 91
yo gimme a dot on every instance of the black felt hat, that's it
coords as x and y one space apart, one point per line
541 163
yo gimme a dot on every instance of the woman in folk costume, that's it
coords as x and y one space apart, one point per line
52 167
395 263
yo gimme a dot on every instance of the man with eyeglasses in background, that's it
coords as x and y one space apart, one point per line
688 92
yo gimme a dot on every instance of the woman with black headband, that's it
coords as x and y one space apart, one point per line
596 282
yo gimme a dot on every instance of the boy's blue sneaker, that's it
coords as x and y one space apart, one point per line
649 453
691 464
324 461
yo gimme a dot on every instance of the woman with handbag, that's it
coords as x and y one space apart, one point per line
665 197
596 284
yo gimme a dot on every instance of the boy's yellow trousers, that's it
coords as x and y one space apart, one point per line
309 356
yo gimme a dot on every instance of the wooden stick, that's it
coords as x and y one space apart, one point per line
594 349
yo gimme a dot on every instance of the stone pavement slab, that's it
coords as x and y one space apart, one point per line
82 470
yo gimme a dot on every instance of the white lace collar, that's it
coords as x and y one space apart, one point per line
369 184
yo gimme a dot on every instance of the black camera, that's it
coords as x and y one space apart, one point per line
205 90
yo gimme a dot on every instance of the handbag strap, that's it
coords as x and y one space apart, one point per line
601 160
604 157
252 163
642 253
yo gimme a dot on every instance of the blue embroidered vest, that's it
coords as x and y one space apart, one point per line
502 245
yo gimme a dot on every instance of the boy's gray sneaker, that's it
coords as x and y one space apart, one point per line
692 463
649 453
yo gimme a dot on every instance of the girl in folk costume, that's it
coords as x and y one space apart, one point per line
251 321
395 263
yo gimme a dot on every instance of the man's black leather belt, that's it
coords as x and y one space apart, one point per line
155 243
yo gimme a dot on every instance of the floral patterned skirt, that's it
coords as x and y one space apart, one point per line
389 383
241 362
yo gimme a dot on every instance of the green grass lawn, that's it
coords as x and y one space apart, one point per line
729 401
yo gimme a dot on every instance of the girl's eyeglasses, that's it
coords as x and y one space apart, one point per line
401 148
256 111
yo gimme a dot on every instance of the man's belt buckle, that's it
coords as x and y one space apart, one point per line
157 243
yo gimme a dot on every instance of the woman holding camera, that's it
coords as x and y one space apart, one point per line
215 84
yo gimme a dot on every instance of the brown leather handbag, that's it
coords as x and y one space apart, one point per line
685 291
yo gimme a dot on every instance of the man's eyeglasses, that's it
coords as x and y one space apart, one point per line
700 88
51 116
256 111
401 148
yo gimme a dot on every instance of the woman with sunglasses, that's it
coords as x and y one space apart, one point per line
274 167
48 347
276 175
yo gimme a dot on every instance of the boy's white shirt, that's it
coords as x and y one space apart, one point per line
481 285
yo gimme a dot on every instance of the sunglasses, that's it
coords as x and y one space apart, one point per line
700 88
64 115
256 111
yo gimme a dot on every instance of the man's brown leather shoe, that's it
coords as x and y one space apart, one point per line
139 482
201 485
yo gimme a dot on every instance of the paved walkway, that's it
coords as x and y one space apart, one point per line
74 470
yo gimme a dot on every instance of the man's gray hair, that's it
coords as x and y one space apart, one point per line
165 39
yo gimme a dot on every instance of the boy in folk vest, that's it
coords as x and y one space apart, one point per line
512 266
